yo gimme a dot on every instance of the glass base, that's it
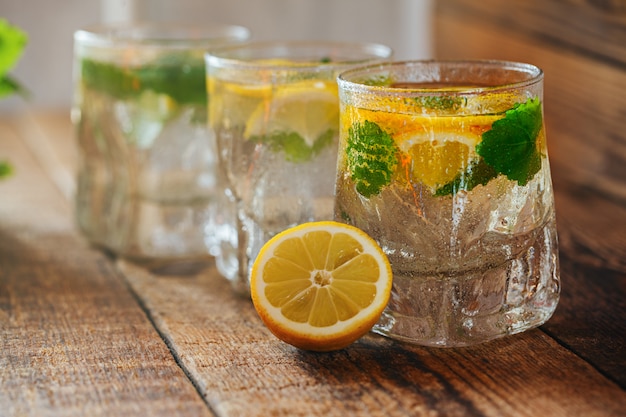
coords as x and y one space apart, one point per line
466 332
471 307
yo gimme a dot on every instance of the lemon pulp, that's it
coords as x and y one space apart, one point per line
433 150
320 285
308 109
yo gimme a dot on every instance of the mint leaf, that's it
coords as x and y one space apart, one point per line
372 157
116 81
180 76
510 147
294 146
376 80
8 86
478 173
12 43
440 102
5 169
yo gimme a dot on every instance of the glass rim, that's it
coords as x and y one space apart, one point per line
346 81
159 34
223 57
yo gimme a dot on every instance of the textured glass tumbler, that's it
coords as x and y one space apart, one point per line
445 164
147 188
275 112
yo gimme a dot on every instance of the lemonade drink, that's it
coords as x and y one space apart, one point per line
446 166
146 182
275 113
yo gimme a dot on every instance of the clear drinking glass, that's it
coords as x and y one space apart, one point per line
445 164
275 113
146 183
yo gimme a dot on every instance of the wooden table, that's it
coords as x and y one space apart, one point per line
84 335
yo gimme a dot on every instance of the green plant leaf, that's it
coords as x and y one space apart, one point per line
12 43
510 146
372 157
294 146
478 173
5 169
180 76
9 86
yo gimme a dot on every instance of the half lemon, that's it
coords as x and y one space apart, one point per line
321 285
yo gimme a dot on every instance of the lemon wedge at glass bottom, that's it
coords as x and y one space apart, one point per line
321 285
308 109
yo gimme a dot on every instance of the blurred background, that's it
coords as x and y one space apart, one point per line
580 45
45 68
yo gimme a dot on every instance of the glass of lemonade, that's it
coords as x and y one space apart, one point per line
275 113
146 180
445 164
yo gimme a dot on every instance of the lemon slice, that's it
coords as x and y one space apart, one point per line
308 109
436 159
439 148
320 285
434 150
258 91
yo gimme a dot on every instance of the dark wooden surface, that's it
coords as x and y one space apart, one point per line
84 335
581 46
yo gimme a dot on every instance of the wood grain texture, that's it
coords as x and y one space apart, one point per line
239 367
592 29
236 362
585 110
583 114
591 316
73 339
83 335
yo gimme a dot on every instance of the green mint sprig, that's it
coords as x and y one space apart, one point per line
5 169
371 156
478 173
376 81
447 103
180 76
294 146
12 43
509 148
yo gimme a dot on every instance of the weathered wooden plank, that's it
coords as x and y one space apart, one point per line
236 362
591 317
587 141
241 369
73 339
588 28
584 115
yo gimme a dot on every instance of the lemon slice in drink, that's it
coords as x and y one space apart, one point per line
320 285
308 109
258 91
435 160
435 149
439 148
